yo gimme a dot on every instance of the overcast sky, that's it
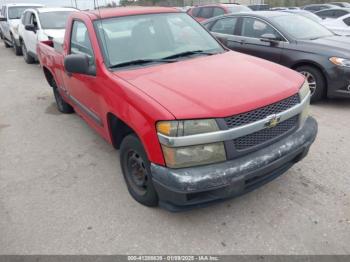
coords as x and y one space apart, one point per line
82 4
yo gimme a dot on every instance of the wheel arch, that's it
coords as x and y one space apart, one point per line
312 64
49 77
118 130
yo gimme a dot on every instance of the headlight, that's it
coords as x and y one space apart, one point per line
340 61
177 157
303 92
187 127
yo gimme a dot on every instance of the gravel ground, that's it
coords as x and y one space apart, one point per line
62 191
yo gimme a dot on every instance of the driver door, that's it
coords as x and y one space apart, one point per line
250 40
31 37
84 90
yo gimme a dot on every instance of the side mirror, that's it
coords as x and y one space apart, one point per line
78 64
270 38
30 28
3 19
222 40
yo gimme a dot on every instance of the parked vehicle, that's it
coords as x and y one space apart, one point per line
41 24
293 41
154 83
340 26
9 22
262 7
306 14
333 13
201 13
341 4
318 7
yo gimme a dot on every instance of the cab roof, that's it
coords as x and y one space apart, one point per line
54 9
127 11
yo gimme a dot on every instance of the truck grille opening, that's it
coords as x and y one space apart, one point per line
267 134
261 113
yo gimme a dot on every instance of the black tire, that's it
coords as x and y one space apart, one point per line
62 105
17 49
6 44
136 171
316 81
27 57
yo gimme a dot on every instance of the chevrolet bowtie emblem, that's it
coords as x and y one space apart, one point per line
272 121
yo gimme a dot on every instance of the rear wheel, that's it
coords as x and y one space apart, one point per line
316 81
136 170
62 105
17 49
27 57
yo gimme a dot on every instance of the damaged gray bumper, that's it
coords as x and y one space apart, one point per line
183 188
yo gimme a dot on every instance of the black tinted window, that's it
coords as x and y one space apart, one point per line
339 13
347 21
206 12
326 13
225 26
255 28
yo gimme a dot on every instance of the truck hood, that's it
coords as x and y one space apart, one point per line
214 86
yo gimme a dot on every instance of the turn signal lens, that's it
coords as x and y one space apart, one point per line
340 61
168 128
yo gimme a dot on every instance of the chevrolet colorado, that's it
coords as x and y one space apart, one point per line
194 122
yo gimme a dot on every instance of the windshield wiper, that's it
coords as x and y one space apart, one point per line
142 61
188 53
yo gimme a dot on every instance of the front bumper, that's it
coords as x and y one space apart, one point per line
338 82
180 189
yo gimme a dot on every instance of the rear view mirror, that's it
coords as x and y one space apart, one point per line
78 64
3 19
31 28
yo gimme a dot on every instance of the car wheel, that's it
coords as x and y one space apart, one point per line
62 105
316 81
17 49
6 44
27 57
136 170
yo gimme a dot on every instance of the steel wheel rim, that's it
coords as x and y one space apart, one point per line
137 172
310 78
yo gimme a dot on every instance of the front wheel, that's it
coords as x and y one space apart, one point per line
17 49
27 57
136 170
316 81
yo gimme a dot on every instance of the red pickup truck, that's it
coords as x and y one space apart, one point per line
194 122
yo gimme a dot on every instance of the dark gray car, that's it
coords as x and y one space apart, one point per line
293 41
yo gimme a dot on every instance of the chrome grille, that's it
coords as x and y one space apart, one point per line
266 135
261 113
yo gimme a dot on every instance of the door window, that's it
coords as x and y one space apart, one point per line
80 41
33 20
347 21
195 11
225 26
255 28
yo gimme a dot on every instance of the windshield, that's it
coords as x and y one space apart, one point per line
54 20
17 11
300 27
152 36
